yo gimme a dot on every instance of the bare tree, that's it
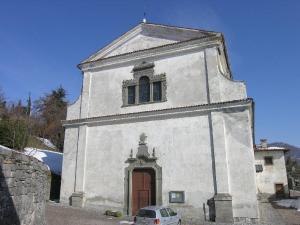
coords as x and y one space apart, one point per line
2 103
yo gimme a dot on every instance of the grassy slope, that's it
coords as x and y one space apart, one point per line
33 142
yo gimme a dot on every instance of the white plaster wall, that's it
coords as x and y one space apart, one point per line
220 152
185 86
183 151
242 182
271 174
73 111
69 163
221 88
183 147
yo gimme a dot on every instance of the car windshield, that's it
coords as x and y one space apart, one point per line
146 213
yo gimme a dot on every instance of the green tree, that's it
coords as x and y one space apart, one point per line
28 108
50 110
14 127
2 104
290 164
14 133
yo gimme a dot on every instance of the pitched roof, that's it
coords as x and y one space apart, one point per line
269 148
264 146
165 33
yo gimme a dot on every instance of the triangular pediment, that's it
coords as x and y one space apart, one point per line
139 42
145 36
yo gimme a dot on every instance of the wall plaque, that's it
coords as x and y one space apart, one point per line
176 196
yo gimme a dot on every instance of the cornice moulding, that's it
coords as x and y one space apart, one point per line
154 114
183 46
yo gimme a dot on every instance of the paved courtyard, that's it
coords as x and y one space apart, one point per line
57 214
291 216
60 215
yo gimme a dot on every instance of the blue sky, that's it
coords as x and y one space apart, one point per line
41 42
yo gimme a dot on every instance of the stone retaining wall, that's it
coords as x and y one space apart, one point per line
23 189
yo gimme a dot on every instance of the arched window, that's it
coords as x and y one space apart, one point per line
144 89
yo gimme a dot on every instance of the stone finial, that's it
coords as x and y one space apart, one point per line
143 148
153 153
263 143
142 154
131 154
143 138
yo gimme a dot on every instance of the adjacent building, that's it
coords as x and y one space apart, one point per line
271 175
161 121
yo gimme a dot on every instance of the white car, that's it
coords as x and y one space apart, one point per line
157 215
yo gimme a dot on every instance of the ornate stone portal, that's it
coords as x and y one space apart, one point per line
142 160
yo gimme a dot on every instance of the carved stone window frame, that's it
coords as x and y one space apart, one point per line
140 70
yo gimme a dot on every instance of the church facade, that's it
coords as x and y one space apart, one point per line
160 121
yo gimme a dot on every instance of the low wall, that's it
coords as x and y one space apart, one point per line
23 189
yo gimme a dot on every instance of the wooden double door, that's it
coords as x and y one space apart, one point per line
143 189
